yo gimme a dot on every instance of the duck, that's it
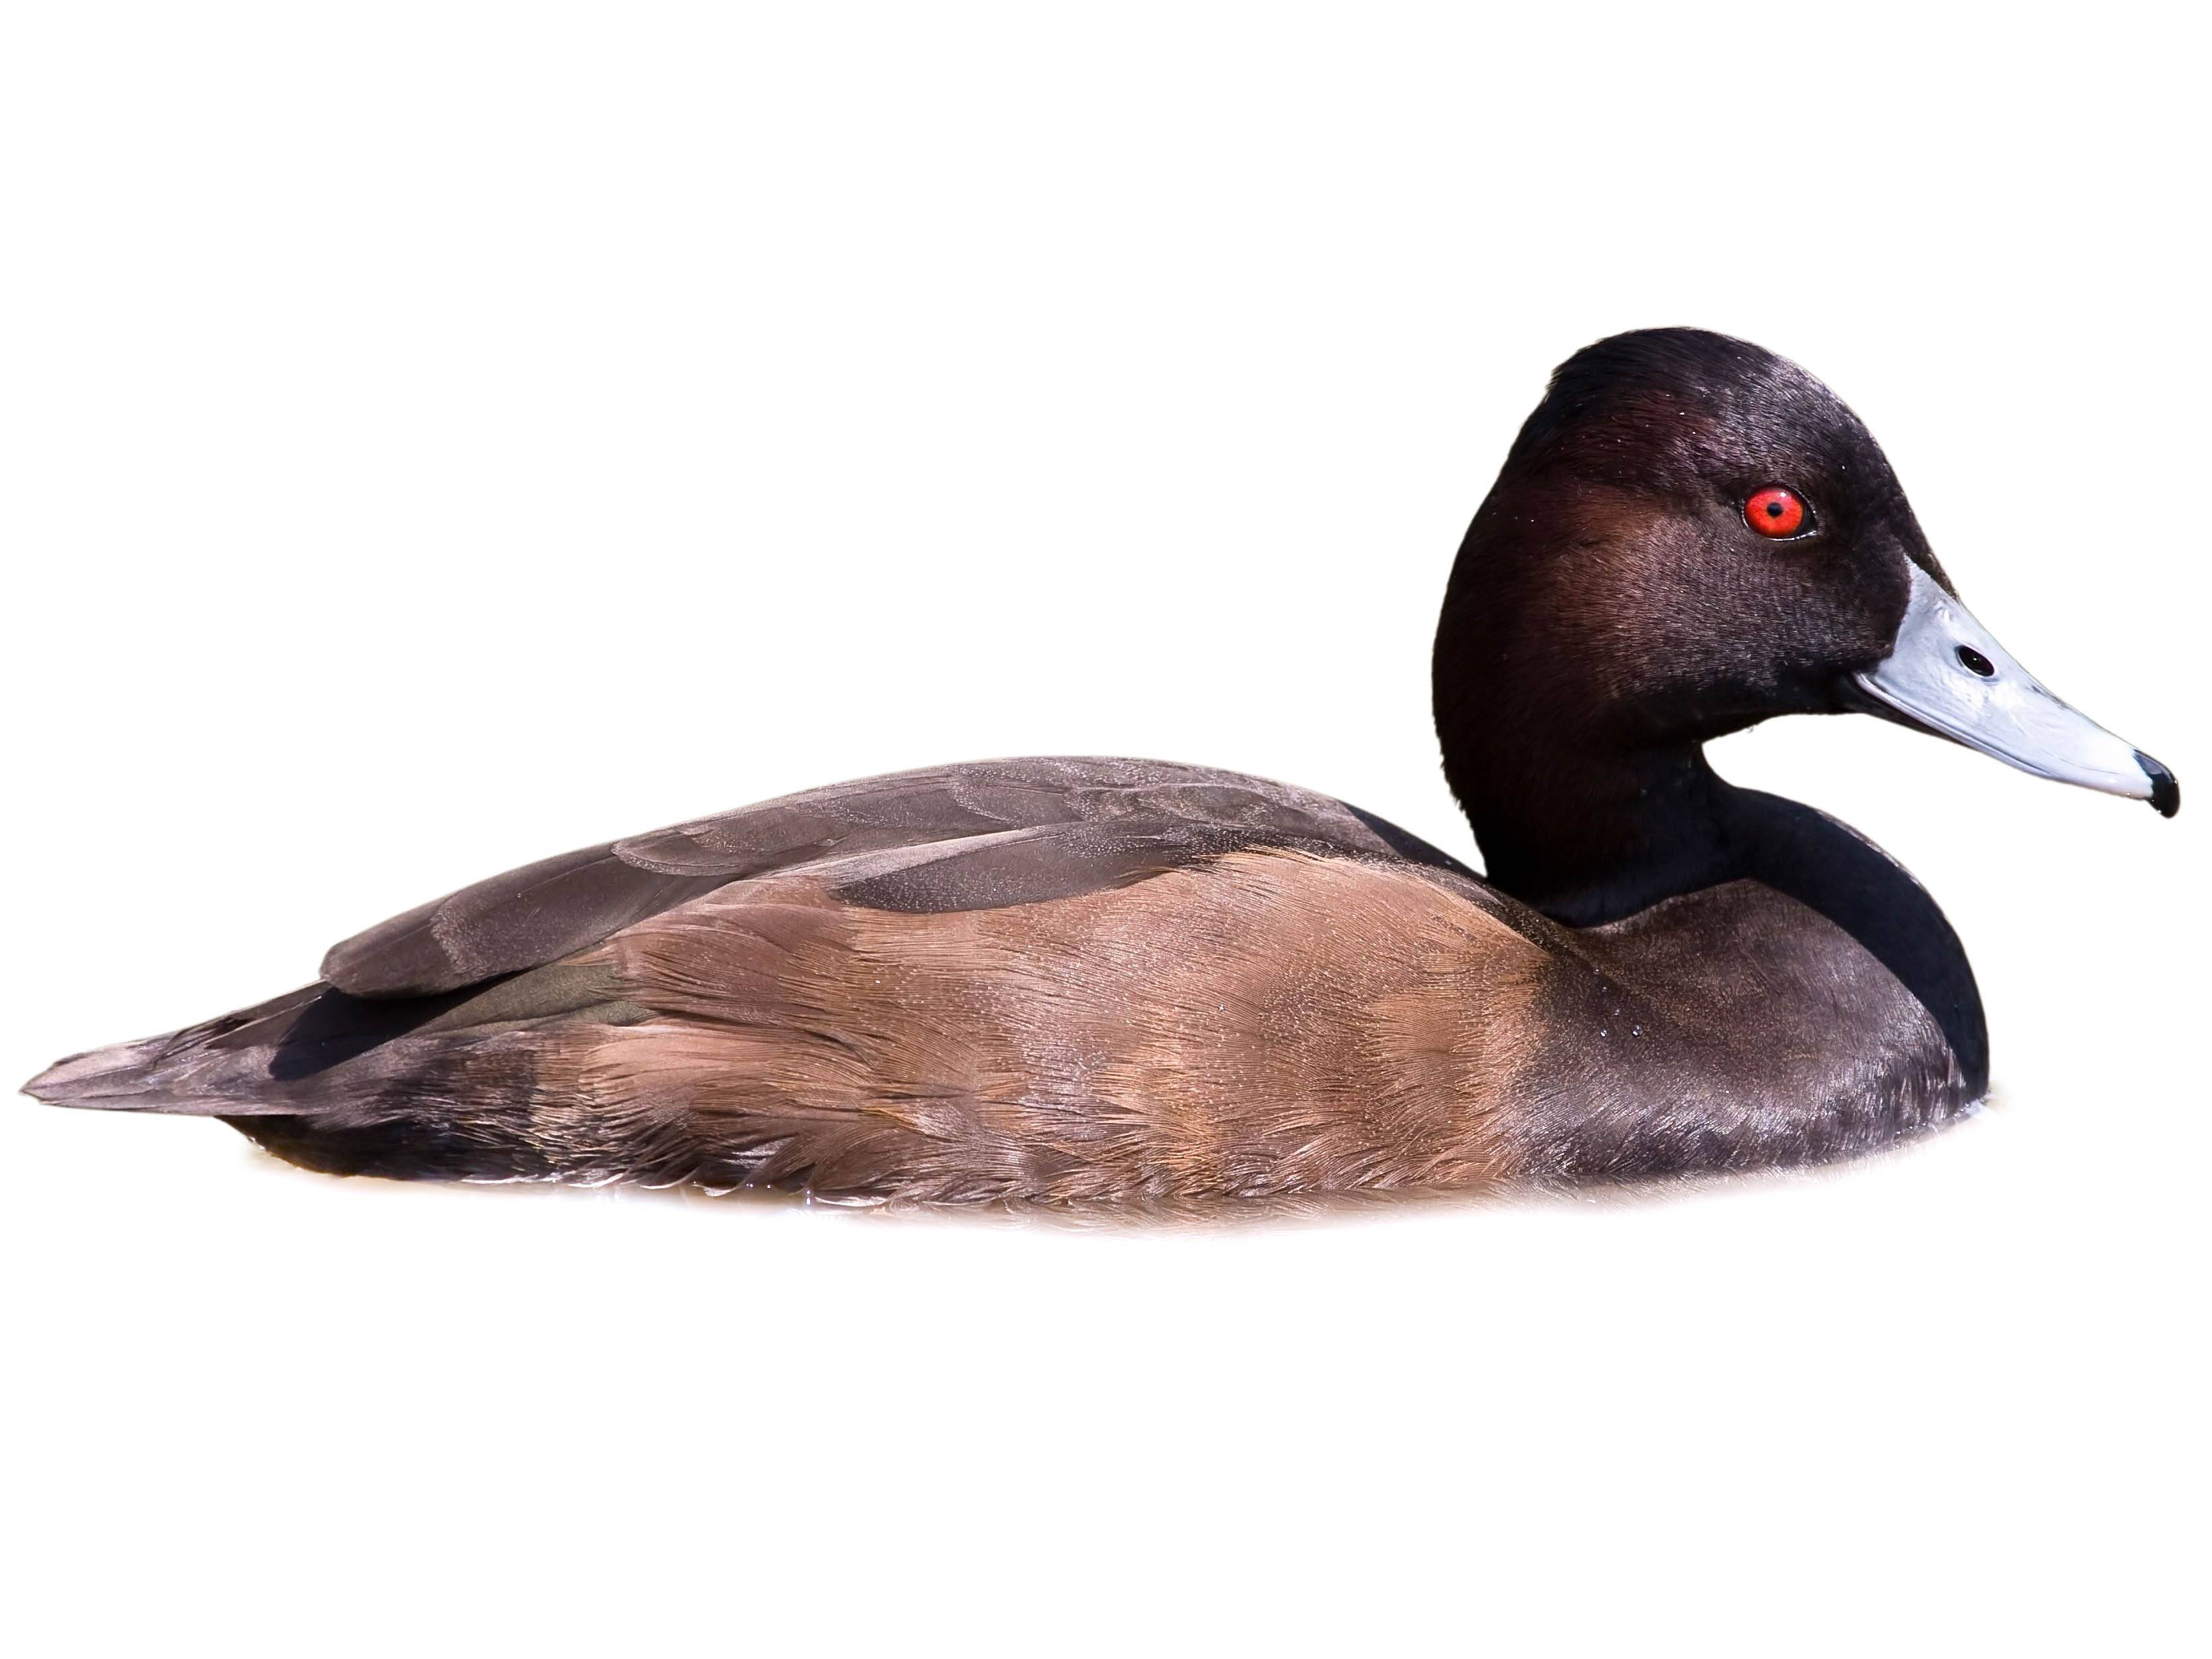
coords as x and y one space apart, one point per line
1100 982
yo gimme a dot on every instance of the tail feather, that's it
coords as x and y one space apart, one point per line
443 1086
114 1075
176 1071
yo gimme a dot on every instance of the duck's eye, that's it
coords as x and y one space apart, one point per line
1775 512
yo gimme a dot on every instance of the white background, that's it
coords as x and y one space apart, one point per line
434 437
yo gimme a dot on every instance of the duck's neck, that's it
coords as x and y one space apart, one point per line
1590 838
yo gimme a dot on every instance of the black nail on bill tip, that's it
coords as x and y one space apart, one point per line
2165 787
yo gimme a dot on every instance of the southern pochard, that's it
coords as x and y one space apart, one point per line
1109 980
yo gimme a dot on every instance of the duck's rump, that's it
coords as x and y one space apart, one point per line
1056 980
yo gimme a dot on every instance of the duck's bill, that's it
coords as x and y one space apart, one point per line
1949 676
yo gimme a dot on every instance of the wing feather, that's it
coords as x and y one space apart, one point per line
1117 821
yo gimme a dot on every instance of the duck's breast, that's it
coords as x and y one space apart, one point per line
1732 1028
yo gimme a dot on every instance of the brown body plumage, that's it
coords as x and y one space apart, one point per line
1298 1009
1103 981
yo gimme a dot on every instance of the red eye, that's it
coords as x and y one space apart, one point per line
1776 513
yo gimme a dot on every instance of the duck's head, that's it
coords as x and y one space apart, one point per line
1691 535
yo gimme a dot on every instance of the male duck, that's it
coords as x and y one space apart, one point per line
1063 980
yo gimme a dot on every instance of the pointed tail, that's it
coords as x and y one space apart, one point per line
208 1070
444 1086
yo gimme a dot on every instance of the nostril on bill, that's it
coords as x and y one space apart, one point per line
1974 661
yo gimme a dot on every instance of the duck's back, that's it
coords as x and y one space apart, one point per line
1059 981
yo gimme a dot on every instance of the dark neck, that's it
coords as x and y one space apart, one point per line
1589 837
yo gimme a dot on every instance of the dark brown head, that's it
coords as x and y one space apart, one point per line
1691 535
1622 572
